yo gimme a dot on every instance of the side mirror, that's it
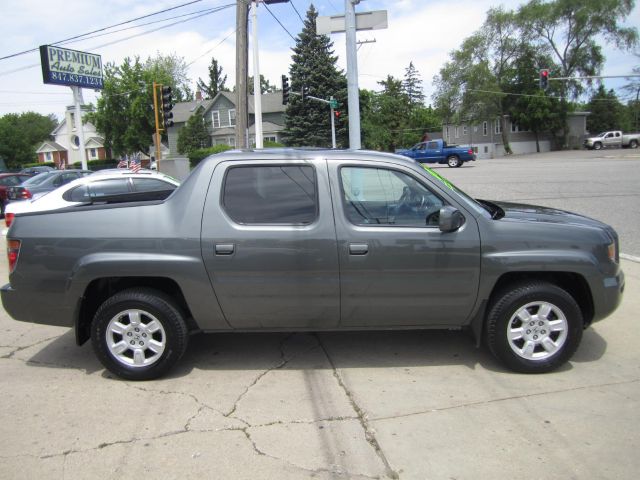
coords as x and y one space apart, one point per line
450 219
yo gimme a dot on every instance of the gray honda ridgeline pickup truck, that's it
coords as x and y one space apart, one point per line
301 240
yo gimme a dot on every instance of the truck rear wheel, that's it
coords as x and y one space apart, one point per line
534 328
633 144
139 334
453 161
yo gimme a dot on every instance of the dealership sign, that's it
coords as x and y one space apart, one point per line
61 66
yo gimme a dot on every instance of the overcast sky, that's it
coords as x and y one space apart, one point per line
422 31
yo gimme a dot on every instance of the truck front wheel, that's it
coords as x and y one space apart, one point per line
139 334
597 146
453 161
534 328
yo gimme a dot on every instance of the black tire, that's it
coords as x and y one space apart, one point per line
138 309
453 161
597 146
633 144
504 322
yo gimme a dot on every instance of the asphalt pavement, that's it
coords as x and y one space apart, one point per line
408 405
601 184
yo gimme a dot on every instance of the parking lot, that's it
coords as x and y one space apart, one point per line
409 405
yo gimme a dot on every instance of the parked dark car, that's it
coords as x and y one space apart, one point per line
43 183
36 170
298 240
9 180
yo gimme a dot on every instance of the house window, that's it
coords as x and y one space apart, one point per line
457 132
232 117
48 156
93 153
486 149
498 128
446 132
514 128
475 149
231 141
484 128
215 119
72 119
270 139
465 130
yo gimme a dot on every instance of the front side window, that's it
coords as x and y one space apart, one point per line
378 196
276 195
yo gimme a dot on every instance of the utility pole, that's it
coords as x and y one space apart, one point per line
242 111
257 91
352 74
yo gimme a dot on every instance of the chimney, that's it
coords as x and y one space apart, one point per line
198 95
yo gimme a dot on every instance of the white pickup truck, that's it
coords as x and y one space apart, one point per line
614 138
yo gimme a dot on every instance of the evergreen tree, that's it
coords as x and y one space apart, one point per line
216 81
412 85
194 134
308 122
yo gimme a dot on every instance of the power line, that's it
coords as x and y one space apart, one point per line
218 9
104 28
211 49
294 7
269 10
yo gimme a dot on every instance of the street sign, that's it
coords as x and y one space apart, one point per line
333 103
61 66
376 20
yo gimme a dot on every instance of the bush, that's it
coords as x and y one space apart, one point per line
196 156
38 164
96 165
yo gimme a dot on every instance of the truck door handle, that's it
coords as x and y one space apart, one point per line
224 248
358 249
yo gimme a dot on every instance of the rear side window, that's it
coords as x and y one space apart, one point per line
277 195
96 190
151 185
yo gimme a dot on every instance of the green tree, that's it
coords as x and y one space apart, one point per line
170 70
216 81
124 111
412 85
194 134
474 82
265 86
607 113
569 30
21 134
307 122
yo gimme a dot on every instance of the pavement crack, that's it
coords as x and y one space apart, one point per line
282 363
503 399
19 349
362 417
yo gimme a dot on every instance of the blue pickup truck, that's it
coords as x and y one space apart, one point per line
437 151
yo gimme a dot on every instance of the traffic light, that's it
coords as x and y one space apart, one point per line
167 105
285 90
544 79
337 114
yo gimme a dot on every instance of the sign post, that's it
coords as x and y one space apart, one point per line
75 69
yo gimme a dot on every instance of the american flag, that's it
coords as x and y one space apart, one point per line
123 163
135 164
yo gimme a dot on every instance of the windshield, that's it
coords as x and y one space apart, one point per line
472 202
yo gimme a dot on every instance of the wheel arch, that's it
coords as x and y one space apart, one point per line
100 289
573 283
